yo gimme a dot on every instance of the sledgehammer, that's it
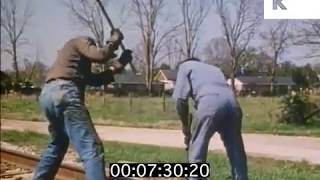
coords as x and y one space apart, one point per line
104 12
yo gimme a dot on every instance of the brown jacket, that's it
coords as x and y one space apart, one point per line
74 63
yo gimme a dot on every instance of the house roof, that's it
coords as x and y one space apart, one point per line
265 80
129 78
170 74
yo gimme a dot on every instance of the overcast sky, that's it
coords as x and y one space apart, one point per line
51 26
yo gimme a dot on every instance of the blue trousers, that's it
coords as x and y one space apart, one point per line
222 114
69 120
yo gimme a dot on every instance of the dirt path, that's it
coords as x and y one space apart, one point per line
293 148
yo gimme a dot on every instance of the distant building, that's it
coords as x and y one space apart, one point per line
168 77
316 87
128 82
261 85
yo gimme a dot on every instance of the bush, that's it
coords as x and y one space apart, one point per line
5 86
295 108
25 87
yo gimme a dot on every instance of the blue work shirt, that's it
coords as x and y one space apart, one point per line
197 79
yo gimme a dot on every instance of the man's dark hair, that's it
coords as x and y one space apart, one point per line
187 60
191 59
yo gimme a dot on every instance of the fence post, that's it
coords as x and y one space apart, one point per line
164 102
130 100
104 94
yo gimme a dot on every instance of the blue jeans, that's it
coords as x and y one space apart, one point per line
69 120
218 113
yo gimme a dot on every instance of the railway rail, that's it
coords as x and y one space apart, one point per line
15 164
24 163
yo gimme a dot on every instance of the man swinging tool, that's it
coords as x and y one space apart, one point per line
62 101
216 110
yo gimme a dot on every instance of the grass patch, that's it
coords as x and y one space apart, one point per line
259 168
25 138
260 114
20 108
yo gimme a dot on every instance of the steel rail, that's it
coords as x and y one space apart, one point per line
27 161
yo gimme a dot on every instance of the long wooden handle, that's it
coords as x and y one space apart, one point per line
104 12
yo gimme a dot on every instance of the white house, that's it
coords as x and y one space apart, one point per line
168 77
260 85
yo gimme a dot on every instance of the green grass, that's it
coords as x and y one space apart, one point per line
22 108
145 110
259 168
260 114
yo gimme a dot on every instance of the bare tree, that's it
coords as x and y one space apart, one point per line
34 71
310 35
239 26
217 53
137 55
32 67
277 41
154 38
193 14
87 14
13 24
173 53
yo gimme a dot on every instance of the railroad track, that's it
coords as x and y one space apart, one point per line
14 164
24 163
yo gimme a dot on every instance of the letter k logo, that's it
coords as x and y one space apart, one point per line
278 3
